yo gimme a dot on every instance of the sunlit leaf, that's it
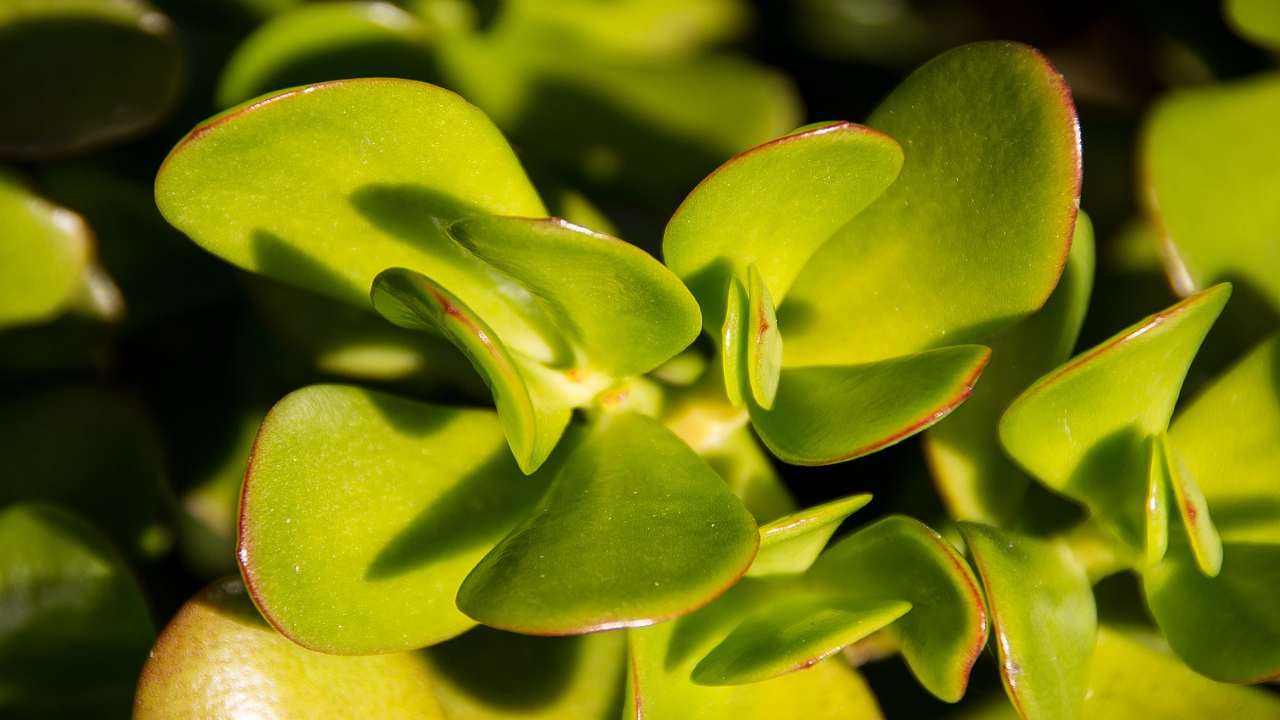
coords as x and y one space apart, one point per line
791 543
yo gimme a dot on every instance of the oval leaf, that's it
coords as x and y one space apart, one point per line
1258 20
419 493
587 558
43 258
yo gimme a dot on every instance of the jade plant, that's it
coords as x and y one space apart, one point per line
438 443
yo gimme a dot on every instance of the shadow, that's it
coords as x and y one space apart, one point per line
1241 514
408 416
1113 476
413 214
486 503
278 259
1250 316
693 632
506 670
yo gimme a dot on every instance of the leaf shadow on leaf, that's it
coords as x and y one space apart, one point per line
403 417
413 214
535 671
1112 475
692 632
278 259
478 509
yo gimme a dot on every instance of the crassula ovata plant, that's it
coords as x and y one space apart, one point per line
539 471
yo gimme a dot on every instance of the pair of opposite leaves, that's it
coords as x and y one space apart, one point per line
885 255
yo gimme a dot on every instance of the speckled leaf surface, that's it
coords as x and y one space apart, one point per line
44 252
81 73
1083 429
974 233
362 513
76 625
791 543
585 558
218 659
975 478
1043 619
899 558
1209 183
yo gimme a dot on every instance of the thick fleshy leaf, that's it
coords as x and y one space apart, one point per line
534 415
1084 428
1229 438
764 343
1043 617
733 343
76 627
1210 184
218 659
643 27
44 253
1134 677
975 478
660 683
625 313
492 675
1258 20
826 415
899 558
773 206
387 164
1202 536
792 633
94 451
81 73
588 558
974 233
328 41
791 543
362 513
1156 506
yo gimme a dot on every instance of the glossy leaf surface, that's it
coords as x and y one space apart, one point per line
81 73
1043 618
791 543
773 206
764 343
1083 429
218 659
974 233
975 478
419 493
1209 184
76 625
1191 509
825 415
899 558
585 559
43 257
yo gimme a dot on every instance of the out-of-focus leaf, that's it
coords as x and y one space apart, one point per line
44 253
76 627
640 27
1210 185
81 73
362 513
974 476
1043 617
94 451
1085 428
328 41
831 414
1258 20
791 543
764 343
491 675
636 528
218 659
899 558
974 233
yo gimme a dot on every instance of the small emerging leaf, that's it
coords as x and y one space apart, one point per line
1202 536
764 343
1156 507
791 543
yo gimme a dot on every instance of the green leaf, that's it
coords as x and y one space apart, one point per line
974 233
773 206
1257 20
791 543
328 41
491 675
764 344
1132 677
533 413
217 658
76 626
624 312
44 256
975 478
733 343
657 28
826 415
362 513
388 163
1044 619
1156 506
1083 429
1202 536
1208 178
793 633
94 451
899 558
82 73
635 529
